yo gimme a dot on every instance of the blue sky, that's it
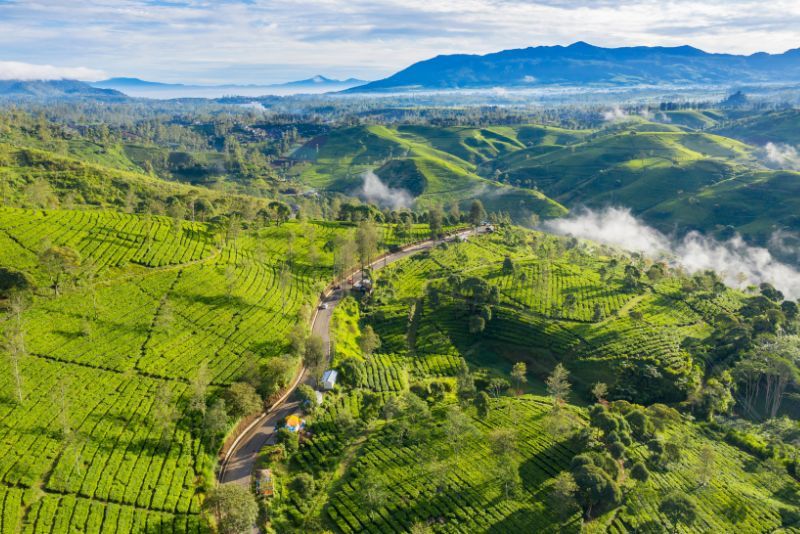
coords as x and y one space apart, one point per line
259 41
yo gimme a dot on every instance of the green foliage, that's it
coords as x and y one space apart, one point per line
233 506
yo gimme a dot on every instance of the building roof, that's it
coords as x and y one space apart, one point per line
329 375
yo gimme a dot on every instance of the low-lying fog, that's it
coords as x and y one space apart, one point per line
738 263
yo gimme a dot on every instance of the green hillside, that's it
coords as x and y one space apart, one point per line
762 128
415 159
42 178
740 202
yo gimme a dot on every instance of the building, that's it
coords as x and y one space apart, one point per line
264 483
329 379
294 423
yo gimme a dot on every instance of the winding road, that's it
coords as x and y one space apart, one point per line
239 462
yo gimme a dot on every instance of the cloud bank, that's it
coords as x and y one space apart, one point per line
15 70
738 263
375 191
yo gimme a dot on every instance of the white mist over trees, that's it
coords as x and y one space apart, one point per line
738 263
375 191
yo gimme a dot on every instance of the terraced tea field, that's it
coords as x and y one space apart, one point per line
91 447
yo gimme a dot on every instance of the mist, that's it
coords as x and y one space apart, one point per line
615 114
375 191
784 156
738 263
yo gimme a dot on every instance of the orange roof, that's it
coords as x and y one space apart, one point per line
293 420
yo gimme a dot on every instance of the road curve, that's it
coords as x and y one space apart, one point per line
238 464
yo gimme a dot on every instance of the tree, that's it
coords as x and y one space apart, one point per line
14 342
458 429
290 440
706 466
307 396
498 385
164 413
234 508
768 371
596 488
508 265
435 218
503 442
465 383
243 399
372 492
507 470
562 494
275 374
303 485
518 373
198 388
215 422
678 509
639 472
476 213
369 341
600 391
315 353
640 424
482 404
59 263
558 385
366 242
477 324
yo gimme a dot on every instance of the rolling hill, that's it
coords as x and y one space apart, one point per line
416 159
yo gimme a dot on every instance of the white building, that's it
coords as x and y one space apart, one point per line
329 379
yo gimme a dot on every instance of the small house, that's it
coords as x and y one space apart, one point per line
329 379
294 423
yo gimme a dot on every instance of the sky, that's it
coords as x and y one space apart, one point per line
270 41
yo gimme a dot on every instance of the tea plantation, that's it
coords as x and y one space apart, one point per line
98 434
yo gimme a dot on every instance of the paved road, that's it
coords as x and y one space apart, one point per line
238 465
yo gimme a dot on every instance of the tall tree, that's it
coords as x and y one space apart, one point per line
518 375
476 212
60 263
234 507
366 242
558 386
369 341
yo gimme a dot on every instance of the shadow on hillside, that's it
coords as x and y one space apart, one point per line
541 467
532 521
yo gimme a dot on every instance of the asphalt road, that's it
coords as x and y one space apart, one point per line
239 463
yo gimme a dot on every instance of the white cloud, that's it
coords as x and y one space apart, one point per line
784 156
375 191
15 70
738 263
366 38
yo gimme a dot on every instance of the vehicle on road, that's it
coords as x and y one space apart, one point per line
323 306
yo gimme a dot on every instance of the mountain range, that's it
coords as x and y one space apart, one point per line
582 63
143 88
48 89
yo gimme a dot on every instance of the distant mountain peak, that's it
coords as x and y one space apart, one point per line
581 63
